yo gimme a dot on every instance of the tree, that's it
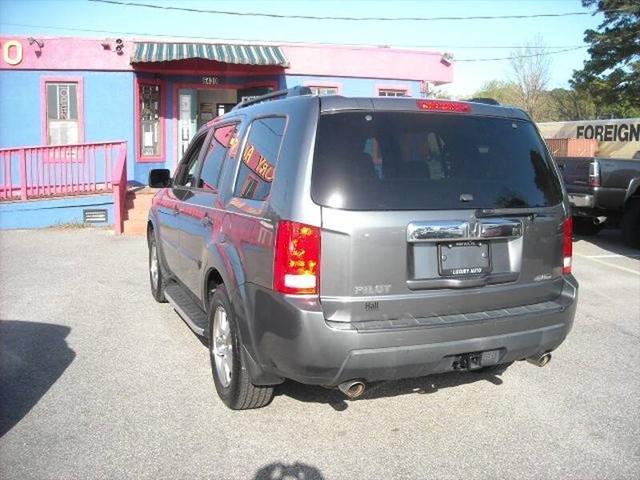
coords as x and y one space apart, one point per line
530 66
571 105
503 92
612 75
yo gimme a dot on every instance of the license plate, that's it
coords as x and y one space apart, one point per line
458 259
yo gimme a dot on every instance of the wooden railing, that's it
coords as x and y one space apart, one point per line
58 171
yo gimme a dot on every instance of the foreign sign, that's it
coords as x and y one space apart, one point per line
623 132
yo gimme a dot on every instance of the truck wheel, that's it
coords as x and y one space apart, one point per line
156 275
630 223
229 374
586 226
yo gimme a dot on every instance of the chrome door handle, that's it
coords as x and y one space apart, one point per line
176 210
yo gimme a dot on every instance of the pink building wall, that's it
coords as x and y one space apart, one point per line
68 53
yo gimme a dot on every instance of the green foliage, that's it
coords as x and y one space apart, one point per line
612 75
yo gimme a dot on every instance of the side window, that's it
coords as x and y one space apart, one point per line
187 169
259 158
214 158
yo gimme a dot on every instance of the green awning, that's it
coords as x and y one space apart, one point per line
150 52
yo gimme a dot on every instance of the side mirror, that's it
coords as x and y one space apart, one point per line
159 178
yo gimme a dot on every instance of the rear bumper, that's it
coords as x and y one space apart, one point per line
293 340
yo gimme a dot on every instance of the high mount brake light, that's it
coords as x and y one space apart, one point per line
567 246
443 106
296 268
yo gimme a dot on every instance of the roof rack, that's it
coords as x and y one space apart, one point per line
289 92
485 100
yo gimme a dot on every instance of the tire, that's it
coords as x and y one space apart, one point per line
157 278
585 226
230 376
630 223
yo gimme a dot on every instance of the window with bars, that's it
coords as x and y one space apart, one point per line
63 125
318 90
388 92
150 135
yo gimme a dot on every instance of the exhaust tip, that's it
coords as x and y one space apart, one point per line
352 388
540 360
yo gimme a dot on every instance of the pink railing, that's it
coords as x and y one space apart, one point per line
53 171
120 190
58 171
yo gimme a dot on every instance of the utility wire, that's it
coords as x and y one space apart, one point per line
217 39
512 57
109 32
352 19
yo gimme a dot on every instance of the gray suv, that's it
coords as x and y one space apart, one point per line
340 241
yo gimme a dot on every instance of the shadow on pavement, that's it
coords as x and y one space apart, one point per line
420 385
296 471
32 357
610 240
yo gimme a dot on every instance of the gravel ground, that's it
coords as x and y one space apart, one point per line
99 381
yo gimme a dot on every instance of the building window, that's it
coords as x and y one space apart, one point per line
388 92
317 90
150 120
63 119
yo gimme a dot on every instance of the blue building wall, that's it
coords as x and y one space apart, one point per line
109 107
52 212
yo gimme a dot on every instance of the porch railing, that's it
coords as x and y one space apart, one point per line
64 170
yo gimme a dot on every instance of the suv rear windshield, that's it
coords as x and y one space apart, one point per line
430 161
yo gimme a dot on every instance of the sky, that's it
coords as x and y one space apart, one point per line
465 39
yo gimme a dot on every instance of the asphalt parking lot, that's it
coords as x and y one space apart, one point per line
99 381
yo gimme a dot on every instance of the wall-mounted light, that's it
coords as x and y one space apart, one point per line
106 43
32 40
447 58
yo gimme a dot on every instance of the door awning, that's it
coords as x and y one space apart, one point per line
152 52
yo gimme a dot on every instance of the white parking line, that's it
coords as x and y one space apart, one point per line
597 260
612 255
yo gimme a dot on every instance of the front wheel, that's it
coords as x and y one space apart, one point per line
156 275
230 376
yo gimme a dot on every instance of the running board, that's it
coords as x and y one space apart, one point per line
190 312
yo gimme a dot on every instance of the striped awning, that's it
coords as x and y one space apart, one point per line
151 52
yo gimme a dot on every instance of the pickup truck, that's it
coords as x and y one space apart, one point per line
603 191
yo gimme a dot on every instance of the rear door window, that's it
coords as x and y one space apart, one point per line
259 158
424 161
219 144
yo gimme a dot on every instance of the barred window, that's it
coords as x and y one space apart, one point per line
62 113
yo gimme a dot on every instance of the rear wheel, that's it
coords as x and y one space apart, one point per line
156 275
630 223
586 226
230 376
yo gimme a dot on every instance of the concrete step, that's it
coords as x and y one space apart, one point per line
136 228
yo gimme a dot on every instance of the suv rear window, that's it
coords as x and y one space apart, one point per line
430 161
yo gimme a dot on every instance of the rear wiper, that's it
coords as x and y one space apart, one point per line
508 212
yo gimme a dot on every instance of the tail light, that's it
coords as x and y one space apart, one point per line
594 174
567 246
443 106
296 266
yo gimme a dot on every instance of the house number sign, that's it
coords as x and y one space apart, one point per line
210 80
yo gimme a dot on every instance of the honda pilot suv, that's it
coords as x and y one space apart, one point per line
340 241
